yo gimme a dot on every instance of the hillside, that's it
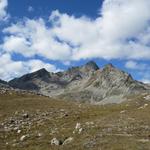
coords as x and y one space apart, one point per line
29 122
44 110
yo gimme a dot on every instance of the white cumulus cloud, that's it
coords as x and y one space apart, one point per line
135 65
142 69
10 68
32 37
121 31
3 7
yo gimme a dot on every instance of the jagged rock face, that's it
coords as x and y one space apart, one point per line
108 83
53 83
84 83
78 73
114 79
112 82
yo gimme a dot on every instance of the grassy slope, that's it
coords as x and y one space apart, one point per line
114 127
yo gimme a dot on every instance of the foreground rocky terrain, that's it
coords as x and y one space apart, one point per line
32 122
87 83
79 109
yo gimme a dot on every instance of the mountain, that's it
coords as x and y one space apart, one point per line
3 84
31 81
52 84
86 83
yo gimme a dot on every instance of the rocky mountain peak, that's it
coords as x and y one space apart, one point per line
111 70
42 71
27 81
91 65
37 74
111 73
80 72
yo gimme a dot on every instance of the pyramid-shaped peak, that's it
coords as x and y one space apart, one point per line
91 65
39 73
43 70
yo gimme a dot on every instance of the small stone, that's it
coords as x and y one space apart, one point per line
80 130
16 128
89 123
39 135
68 140
25 116
78 126
145 105
19 131
23 137
123 111
54 141
142 107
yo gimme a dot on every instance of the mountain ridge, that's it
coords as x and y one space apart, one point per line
87 83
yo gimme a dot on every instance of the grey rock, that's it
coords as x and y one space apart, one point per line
87 83
55 141
39 134
19 131
24 137
68 140
25 116
78 128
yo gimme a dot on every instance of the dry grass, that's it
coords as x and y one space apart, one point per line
113 127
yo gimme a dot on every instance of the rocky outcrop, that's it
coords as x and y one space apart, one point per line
84 83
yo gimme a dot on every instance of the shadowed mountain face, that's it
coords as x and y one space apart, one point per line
3 84
84 83
31 81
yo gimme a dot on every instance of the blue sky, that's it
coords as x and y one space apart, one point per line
59 34
19 8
